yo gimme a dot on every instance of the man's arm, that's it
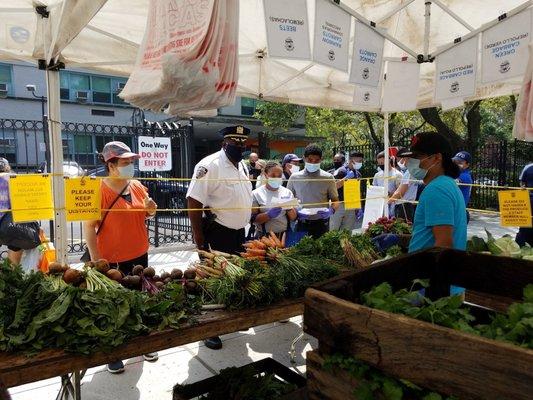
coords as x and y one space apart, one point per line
195 215
443 235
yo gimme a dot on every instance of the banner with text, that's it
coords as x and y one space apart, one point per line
156 154
287 28
332 35
82 199
400 91
367 56
367 96
504 52
31 197
515 208
455 73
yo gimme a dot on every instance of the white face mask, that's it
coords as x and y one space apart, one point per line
401 165
274 183
294 168
311 167
357 165
127 171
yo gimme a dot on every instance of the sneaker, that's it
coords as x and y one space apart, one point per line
116 367
151 357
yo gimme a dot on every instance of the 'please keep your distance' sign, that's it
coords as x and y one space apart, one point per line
156 154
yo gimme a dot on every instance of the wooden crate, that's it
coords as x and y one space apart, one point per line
437 358
266 365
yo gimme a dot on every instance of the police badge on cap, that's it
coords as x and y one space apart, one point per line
238 132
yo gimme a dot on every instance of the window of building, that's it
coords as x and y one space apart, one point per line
83 144
64 91
5 77
101 89
8 144
104 90
248 106
103 113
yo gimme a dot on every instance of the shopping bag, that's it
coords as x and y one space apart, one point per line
31 260
21 235
48 253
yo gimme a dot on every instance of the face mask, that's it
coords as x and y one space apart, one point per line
127 171
337 164
381 167
401 165
358 165
274 183
233 152
310 167
413 166
252 163
294 168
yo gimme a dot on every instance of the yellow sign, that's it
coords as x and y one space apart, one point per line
352 194
515 208
31 197
82 199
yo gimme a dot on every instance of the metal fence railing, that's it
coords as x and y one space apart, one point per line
496 163
23 143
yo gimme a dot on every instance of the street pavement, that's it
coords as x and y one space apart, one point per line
193 362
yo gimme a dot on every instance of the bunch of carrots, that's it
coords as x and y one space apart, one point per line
260 249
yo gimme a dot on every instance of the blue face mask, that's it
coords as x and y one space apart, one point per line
413 166
310 167
274 183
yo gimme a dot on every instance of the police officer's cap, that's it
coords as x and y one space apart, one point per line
237 132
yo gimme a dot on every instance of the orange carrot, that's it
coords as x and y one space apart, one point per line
256 252
283 238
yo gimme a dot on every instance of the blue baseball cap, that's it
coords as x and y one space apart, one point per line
289 158
463 156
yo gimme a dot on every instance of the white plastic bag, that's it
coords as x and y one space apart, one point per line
188 58
30 260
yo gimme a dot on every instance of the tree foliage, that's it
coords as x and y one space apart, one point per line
466 127
277 117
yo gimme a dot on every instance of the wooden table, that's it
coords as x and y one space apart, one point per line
18 369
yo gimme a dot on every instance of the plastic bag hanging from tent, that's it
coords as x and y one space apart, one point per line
188 58
523 122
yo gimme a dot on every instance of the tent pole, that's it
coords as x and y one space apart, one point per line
58 184
372 25
427 28
394 11
456 17
387 162
483 28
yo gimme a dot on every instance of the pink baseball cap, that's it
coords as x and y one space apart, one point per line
117 150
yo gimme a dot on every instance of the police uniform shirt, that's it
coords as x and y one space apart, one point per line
219 185
314 193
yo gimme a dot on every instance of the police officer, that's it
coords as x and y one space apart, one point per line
221 187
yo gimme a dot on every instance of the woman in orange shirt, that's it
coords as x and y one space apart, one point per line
121 236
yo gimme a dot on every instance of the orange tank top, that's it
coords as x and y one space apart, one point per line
124 235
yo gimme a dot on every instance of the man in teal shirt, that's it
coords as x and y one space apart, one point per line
440 218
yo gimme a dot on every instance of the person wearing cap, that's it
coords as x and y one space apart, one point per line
525 234
405 196
316 189
463 160
342 219
261 178
220 199
290 165
121 237
394 181
440 217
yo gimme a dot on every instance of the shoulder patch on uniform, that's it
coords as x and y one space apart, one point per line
201 172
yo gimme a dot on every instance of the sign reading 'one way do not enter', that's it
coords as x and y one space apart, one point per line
156 154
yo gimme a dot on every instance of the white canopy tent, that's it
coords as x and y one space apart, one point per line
104 35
